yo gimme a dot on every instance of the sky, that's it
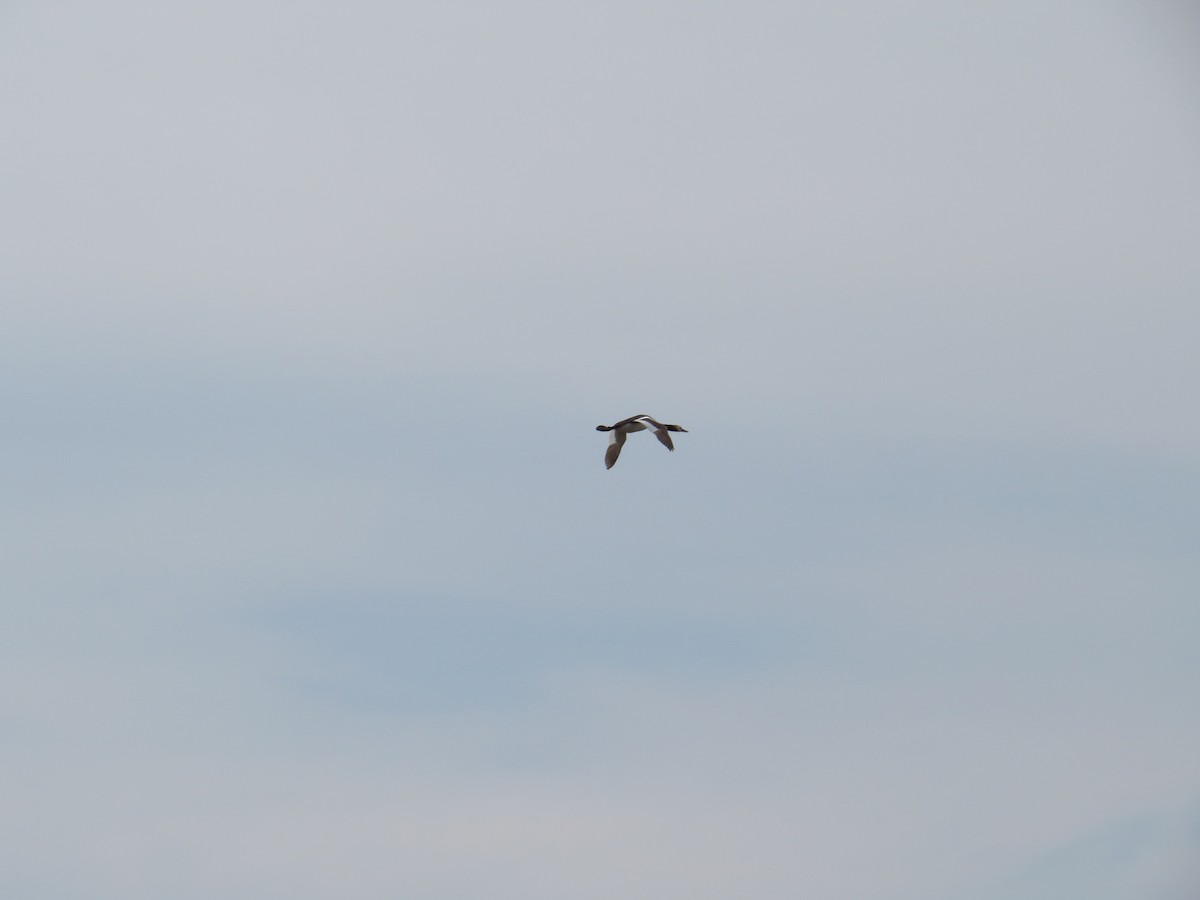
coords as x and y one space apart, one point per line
315 583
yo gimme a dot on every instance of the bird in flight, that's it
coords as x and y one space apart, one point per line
626 427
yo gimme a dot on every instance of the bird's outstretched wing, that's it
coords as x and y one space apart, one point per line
665 437
660 432
615 443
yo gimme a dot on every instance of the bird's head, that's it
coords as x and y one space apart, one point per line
604 428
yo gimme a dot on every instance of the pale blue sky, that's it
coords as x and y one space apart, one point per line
315 582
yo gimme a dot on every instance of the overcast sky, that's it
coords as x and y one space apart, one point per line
315 584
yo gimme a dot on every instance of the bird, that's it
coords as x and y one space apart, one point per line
626 427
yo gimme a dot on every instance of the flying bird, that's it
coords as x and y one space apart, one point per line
626 427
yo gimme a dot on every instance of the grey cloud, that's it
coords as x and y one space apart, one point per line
315 582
